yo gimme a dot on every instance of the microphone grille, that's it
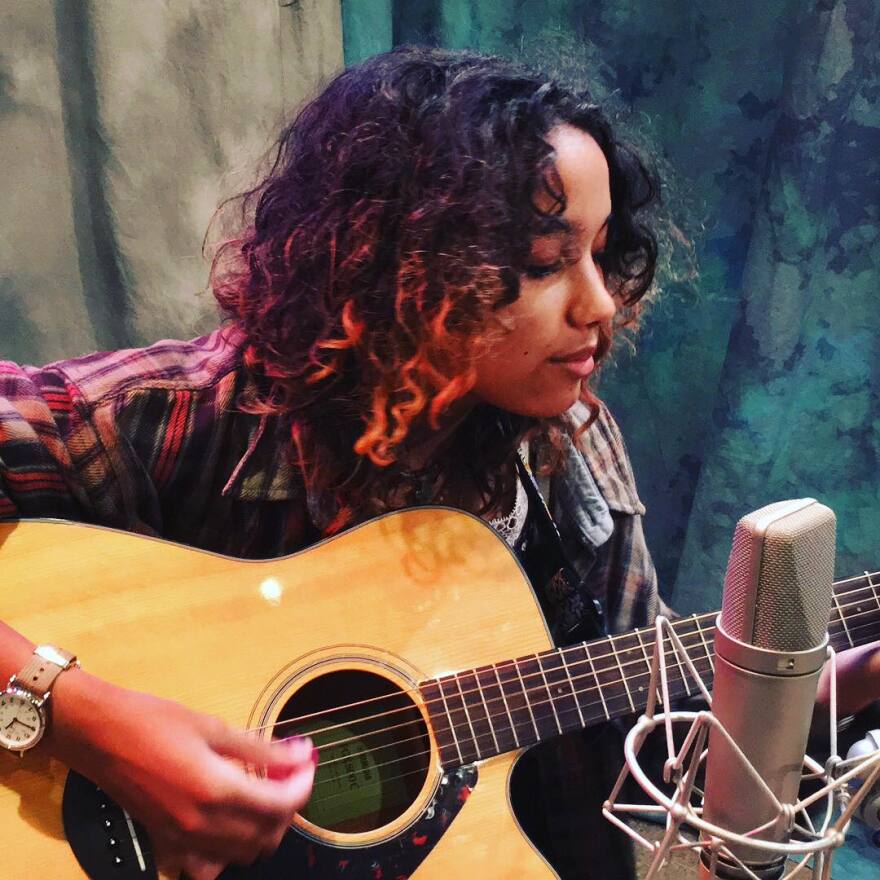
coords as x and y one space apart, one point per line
777 593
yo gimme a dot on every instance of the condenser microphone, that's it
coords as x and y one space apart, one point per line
770 645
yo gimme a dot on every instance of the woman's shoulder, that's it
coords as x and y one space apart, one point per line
168 365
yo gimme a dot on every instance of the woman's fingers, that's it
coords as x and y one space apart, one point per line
198 868
187 777
247 815
285 789
270 754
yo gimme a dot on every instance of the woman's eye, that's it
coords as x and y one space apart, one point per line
543 270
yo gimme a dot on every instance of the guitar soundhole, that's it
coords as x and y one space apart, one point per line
373 744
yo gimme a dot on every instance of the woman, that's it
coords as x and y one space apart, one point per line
421 291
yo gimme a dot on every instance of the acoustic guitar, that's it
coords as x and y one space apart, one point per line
412 649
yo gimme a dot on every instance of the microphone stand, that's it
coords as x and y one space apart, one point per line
681 767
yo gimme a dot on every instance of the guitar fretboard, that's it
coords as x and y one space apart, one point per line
516 703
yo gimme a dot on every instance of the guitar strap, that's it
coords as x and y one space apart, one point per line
571 612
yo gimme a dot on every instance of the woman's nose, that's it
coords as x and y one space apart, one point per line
591 303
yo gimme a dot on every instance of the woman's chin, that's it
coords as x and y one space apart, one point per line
551 401
551 405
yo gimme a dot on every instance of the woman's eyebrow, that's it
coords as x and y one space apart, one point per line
574 229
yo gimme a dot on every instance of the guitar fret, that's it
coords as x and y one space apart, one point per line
445 733
648 665
577 703
587 687
528 701
682 671
632 705
540 704
549 694
506 707
518 700
705 645
841 619
473 712
489 719
872 621
568 714
632 657
613 687
873 587
598 683
696 649
454 702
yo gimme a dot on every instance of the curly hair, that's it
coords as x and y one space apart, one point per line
396 218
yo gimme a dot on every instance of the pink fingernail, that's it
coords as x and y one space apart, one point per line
315 756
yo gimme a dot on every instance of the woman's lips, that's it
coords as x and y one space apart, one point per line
580 363
581 368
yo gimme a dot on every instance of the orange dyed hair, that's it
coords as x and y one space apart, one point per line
397 217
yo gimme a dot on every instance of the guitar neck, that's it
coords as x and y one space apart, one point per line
494 709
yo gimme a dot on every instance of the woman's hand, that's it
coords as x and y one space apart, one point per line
858 680
182 774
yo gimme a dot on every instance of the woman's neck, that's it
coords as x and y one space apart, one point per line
429 443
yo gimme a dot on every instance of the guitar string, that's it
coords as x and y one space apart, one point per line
412 707
424 734
489 716
324 782
524 724
507 664
694 619
323 799
677 682
679 622
502 666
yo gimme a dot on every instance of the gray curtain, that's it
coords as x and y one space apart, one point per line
121 127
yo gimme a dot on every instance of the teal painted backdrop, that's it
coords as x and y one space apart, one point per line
757 380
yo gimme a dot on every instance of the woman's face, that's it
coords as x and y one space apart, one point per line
544 355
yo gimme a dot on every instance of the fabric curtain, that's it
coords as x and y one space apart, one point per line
122 126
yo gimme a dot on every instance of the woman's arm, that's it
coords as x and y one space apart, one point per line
858 680
183 775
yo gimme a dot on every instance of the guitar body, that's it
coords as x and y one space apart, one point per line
406 597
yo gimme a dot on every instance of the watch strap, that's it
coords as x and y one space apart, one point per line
44 666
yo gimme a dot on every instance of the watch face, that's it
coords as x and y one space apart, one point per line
21 724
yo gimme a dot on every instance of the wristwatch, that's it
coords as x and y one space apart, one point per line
23 705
